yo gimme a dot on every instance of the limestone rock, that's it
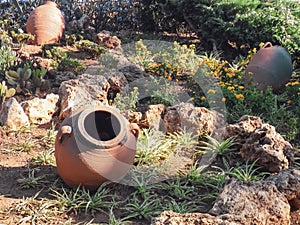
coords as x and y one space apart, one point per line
118 82
78 93
172 218
195 119
12 115
39 110
153 116
288 182
260 141
258 202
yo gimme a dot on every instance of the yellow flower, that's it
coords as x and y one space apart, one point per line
192 99
169 66
241 87
230 88
223 99
261 44
254 50
203 98
211 91
289 102
239 96
295 83
221 83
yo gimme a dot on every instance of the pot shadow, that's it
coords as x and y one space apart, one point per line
27 181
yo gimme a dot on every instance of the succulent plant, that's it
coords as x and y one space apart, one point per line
5 92
18 78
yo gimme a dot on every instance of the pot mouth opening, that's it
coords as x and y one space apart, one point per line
103 128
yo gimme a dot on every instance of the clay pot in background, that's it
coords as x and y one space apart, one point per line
46 23
271 67
95 145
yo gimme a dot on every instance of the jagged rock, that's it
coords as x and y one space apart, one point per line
195 119
106 39
288 182
132 117
78 93
118 82
12 115
258 202
153 116
260 141
39 110
173 218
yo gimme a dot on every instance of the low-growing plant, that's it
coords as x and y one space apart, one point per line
21 37
143 209
81 199
44 158
184 140
179 189
247 172
5 92
152 147
92 48
128 101
19 77
214 146
32 181
8 57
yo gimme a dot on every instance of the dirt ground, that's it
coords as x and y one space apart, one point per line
15 165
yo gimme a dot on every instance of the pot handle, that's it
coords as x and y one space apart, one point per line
135 129
65 131
268 44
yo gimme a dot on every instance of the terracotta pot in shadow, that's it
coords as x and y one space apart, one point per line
271 67
95 145
46 23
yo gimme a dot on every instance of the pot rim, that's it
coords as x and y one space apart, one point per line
118 140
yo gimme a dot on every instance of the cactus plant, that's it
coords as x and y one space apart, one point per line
5 92
19 77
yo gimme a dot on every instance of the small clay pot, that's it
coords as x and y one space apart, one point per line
94 146
271 67
46 23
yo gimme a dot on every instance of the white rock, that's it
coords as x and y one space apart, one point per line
12 115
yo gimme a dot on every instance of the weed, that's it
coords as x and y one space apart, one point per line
128 101
90 47
25 146
152 147
81 199
36 211
31 181
247 172
216 147
180 206
44 158
183 140
143 209
179 189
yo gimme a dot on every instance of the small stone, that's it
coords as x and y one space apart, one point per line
12 115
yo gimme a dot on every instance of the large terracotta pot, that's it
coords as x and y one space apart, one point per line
95 145
271 67
46 23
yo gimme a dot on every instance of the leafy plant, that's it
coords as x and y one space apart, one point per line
90 47
128 101
152 147
31 181
81 199
217 147
44 158
22 37
7 58
18 78
143 209
247 172
5 92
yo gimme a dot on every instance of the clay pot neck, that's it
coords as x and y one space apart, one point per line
102 128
